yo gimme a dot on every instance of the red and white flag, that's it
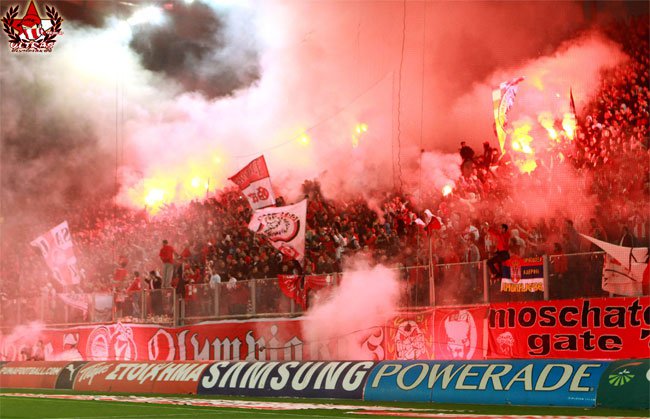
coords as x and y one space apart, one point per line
430 223
58 251
254 182
284 227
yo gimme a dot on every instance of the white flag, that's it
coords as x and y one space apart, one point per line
58 251
255 183
624 267
284 227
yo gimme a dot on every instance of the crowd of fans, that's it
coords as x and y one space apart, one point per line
211 242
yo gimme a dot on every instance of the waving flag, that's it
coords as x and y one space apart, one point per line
291 286
502 99
430 223
254 182
284 227
58 251
625 271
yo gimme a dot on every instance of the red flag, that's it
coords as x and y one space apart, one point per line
290 286
431 222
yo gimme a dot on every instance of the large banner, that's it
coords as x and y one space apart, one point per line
600 328
597 328
284 227
280 339
523 275
58 251
255 183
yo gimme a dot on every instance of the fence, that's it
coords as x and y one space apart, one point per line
564 276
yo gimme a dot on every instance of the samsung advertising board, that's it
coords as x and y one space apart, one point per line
341 380
518 382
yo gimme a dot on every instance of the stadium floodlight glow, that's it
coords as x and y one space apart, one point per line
150 15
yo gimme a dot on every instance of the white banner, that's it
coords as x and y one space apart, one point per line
284 227
623 269
618 280
58 251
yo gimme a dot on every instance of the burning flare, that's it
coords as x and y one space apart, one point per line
521 143
359 130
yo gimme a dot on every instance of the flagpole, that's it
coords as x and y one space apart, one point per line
432 277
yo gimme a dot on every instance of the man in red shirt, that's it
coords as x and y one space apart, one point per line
502 237
167 254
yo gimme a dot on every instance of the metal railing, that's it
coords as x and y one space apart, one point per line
565 276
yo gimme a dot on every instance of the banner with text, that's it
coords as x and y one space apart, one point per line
283 227
518 382
596 328
599 328
336 380
140 377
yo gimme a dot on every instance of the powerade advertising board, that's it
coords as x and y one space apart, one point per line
519 382
340 380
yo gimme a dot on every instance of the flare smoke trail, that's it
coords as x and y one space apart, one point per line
366 299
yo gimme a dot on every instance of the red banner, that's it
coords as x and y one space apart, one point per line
607 328
598 328
141 377
460 333
279 339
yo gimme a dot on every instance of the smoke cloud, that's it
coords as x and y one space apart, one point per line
366 298
110 112
200 49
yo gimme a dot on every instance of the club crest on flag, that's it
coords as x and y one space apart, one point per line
32 32
255 183
282 226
